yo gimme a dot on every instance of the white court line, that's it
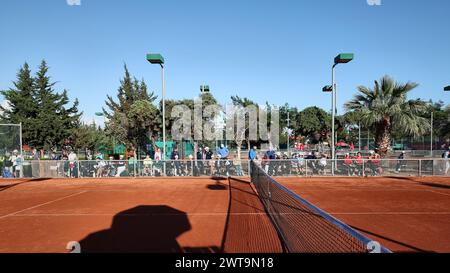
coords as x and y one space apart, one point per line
439 192
389 213
217 214
40 205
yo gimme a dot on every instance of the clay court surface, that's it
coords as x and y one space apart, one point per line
212 215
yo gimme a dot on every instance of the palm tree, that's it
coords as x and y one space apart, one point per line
386 108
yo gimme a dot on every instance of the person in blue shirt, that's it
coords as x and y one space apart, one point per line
252 153
223 152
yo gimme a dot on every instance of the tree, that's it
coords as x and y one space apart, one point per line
386 108
54 121
21 104
133 115
313 122
45 115
89 136
242 134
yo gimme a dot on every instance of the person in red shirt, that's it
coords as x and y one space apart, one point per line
348 163
359 161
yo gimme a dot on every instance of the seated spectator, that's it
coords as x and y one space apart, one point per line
359 163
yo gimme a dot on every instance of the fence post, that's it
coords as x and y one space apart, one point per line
364 168
306 167
78 168
420 167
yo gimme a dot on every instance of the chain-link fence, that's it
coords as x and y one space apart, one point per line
184 168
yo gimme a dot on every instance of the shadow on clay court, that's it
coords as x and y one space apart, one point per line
143 229
5 187
435 185
413 248
217 187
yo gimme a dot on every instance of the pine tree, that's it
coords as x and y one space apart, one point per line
54 121
21 106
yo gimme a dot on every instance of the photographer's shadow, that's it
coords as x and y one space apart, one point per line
140 229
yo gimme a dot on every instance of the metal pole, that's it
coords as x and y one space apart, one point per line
164 111
431 140
164 118
359 135
333 113
287 131
20 125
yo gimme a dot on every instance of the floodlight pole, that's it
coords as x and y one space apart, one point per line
288 134
333 114
21 153
163 111
431 140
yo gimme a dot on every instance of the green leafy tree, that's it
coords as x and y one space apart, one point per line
127 117
386 108
242 135
314 123
90 136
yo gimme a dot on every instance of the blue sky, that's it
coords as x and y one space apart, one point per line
276 51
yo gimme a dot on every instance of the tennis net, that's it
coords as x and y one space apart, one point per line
303 227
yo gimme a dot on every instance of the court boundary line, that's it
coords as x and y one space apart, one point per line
42 204
206 214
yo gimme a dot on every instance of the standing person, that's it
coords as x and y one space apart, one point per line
13 162
209 160
190 167
252 153
131 164
88 155
222 154
73 171
400 162
237 165
200 158
121 166
35 163
174 156
19 165
446 157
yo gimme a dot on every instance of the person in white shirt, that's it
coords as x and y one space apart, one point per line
72 163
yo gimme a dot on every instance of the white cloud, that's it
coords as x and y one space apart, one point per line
5 104
99 121
73 2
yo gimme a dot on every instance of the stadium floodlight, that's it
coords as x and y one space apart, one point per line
342 58
327 88
204 88
447 88
158 59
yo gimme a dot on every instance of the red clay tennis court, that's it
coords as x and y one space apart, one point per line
211 215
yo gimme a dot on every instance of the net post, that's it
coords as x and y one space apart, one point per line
78 169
